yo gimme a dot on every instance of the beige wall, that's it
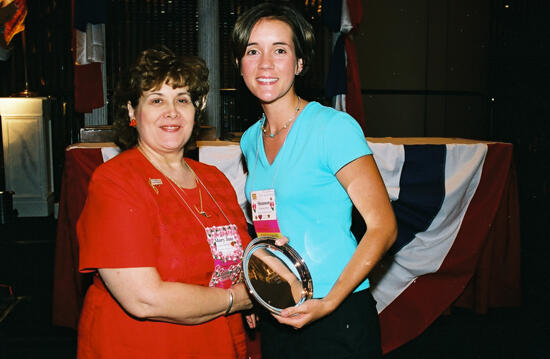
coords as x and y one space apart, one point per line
413 46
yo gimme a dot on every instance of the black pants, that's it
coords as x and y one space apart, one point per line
351 331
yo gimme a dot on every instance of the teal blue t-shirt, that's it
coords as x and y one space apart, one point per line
313 209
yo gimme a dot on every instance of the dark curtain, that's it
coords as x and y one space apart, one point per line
135 25
240 108
132 26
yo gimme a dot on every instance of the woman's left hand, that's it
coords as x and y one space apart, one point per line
305 313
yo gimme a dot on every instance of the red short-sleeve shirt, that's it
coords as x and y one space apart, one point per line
127 222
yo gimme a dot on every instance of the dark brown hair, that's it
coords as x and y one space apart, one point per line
302 31
153 68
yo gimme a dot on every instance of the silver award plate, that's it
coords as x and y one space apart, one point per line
275 275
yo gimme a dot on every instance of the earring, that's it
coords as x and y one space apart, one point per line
133 122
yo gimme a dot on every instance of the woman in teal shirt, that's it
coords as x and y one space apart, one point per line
318 163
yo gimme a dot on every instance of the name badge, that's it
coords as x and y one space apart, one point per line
264 213
227 250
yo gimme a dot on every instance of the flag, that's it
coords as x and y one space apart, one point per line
88 93
88 40
445 197
12 20
343 17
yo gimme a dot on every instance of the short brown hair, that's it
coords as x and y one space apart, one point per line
302 31
153 68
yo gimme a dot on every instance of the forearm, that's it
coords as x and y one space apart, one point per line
365 187
195 304
142 293
370 250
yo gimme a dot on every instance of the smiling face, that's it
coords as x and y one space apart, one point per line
269 64
165 118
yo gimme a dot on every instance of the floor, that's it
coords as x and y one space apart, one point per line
26 265
503 333
26 331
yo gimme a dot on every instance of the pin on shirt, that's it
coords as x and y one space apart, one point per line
153 182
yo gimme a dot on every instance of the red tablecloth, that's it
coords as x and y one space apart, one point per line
69 284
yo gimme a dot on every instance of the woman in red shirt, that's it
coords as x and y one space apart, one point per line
163 233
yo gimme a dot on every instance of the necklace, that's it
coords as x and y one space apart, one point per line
199 211
202 212
272 135
172 181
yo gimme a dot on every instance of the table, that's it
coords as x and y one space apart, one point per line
456 205
70 285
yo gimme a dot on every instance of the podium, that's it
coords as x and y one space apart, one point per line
28 167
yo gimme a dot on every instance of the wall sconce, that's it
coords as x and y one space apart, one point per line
28 166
